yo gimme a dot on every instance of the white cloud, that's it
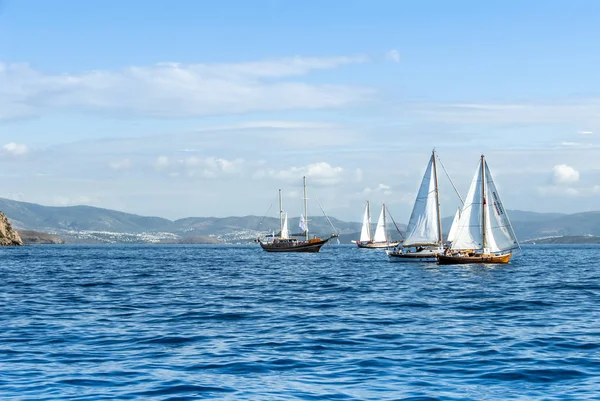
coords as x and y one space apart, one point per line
177 90
381 188
15 149
393 55
575 112
359 174
586 132
564 175
321 173
161 162
209 167
120 165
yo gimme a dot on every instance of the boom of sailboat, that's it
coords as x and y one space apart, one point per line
481 231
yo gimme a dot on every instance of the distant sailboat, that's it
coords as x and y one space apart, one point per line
484 233
286 242
423 241
380 239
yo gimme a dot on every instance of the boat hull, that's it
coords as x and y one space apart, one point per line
468 259
310 246
376 245
427 255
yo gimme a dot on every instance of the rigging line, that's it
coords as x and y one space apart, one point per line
327 217
263 219
450 179
393 221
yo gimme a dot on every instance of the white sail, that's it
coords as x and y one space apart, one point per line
454 226
285 234
302 224
469 232
499 234
423 228
365 232
380 234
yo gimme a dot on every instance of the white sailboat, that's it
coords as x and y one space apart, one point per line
484 233
424 233
380 238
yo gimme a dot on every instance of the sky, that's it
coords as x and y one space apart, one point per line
201 108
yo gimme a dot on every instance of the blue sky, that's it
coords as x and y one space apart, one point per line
206 108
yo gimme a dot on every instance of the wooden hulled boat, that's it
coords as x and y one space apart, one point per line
293 245
286 242
483 232
461 259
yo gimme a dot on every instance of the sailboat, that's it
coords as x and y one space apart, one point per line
423 241
484 233
380 239
286 242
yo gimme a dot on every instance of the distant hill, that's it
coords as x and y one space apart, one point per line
69 219
218 226
31 216
530 225
78 218
577 239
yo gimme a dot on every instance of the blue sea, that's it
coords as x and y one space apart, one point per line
236 323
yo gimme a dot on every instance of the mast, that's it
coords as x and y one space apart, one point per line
369 221
280 215
483 202
384 223
305 209
437 199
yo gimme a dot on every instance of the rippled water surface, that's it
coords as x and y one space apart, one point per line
236 323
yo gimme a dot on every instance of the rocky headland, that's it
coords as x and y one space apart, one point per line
8 235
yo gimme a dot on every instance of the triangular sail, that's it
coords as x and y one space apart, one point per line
499 234
454 227
423 228
468 232
302 224
365 232
285 234
380 234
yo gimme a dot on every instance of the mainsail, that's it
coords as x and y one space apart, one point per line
365 232
499 234
285 234
468 231
380 234
454 226
495 234
423 226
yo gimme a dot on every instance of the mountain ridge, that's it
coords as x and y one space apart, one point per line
64 219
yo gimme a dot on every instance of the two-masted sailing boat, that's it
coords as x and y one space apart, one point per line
380 239
483 233
286 242
423 240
